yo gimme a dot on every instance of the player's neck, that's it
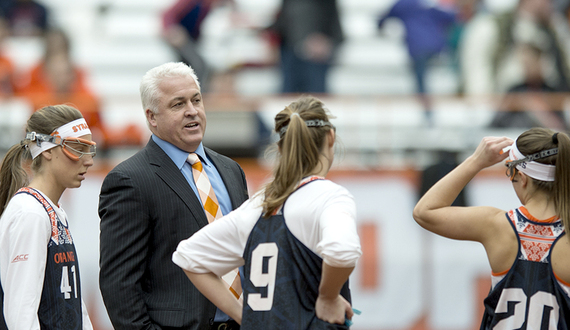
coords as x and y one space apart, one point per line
51 190
540 207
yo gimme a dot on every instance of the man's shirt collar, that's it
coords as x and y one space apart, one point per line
178 155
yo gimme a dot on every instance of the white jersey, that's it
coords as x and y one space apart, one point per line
322 215
25 230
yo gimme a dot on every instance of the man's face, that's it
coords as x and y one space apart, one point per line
181 119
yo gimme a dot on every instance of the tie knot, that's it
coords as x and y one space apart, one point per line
193 158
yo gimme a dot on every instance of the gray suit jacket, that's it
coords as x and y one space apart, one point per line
146 208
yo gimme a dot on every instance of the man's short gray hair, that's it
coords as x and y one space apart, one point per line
153 77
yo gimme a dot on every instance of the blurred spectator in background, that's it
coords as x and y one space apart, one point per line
427 28
26 18
309 33
56 79
530 103
465 11
489 59
6 66
181 29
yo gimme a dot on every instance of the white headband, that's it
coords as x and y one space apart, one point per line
535 170
75 129
309 123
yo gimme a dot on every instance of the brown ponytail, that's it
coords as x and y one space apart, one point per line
562 182
13 176
299 148
538 139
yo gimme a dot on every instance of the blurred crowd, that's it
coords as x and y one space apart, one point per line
522 54
55 78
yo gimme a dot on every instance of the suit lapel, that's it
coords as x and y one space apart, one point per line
165 168
228 176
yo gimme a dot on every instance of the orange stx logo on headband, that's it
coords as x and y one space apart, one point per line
76 128
79 127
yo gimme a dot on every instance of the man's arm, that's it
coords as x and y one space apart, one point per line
124 245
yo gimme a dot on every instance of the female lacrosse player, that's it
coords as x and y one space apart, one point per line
38 264
296 239
527 247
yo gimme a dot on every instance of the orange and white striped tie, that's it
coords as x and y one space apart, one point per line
213 212
205 189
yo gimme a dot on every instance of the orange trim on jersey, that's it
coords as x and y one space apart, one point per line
309 179
501 273
535 237
529 216
50 211
561 280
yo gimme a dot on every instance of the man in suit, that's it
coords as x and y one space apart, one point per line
149 203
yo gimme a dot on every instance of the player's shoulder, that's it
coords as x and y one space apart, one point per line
325 189
326 184
28 200
23 205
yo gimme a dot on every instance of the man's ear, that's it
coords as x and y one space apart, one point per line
150 117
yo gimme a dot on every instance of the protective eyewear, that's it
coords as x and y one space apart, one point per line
74 148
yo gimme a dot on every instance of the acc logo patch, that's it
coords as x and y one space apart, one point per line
21 257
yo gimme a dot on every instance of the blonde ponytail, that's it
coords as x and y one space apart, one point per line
302 127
